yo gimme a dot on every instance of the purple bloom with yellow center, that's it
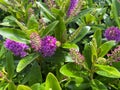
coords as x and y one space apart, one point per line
112 33
48 46
73 5
19 49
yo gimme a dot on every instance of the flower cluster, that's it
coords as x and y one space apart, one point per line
48 46
115 55
50 3
19 49
112 33
35 41
76 56
74 8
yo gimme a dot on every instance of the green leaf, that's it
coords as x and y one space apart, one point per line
2 51
97 85
35 71
81 14
10 64
31 76
82 34
33 23
52 83
11 86
14 34
71 70
45 9
60 56
104 48
115 11
23 87
26 61
90 19
4 2
3 86
60 29
9 21
75 33
93 46
21 25
50 28
88 54
107 71
78 86
70 45
90 3
98 37
38 86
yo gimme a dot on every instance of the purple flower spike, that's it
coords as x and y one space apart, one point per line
114 56
77 56
48 46
35 41
16 47
73 5
112 33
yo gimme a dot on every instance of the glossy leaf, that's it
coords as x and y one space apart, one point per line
21 25
50 28
2 51
97 85
93 46
88 54
26 61
70 45
23 87
60 29
10 64
9 21
115 11
98 37
14 34
52 83
75 33
35 74
32 23
11 86
45 9
82 34
38 86
105 47
4 2
71 70
107 71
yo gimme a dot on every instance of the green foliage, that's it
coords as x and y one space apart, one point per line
14 34
32 23
23 87
10 65
107 71
83 32
26 61
38 86
71 70
97 85
50 28
104 48
50 84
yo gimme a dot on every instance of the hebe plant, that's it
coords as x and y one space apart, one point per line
60 45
